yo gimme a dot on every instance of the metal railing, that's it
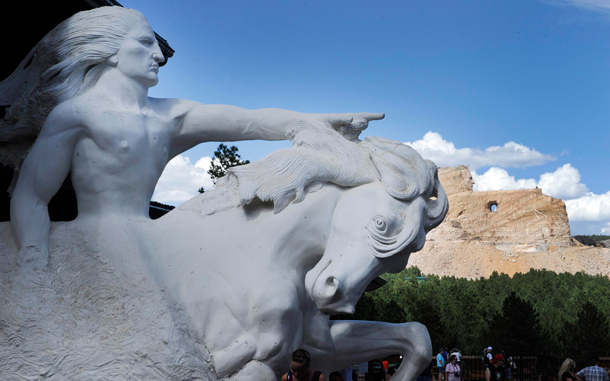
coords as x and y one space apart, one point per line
527 368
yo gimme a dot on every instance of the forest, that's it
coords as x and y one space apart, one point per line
539 312
593 240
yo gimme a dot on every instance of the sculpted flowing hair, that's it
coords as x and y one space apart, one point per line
68 60
321 155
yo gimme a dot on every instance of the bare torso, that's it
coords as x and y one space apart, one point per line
115 141
119 158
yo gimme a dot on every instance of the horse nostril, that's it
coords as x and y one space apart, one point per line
331 286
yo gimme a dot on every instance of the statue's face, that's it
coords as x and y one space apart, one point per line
139 55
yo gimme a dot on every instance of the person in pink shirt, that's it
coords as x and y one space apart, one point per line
453 370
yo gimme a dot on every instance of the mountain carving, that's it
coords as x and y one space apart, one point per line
505 231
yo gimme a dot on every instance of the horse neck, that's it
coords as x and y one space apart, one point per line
252 235
302 229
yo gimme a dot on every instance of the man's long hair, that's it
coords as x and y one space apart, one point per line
68 60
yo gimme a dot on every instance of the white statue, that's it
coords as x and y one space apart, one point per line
94 72
271 272
229 284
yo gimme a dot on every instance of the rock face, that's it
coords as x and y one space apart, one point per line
528 230
522 220
472 260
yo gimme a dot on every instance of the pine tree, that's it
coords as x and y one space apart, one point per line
224 158
589 335
517 328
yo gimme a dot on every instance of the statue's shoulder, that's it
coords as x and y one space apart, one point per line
69 114
172 105
174 108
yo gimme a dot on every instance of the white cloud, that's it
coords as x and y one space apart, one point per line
564 183
582 206
498 179
181 180
595 5
173 197
591 207
444 154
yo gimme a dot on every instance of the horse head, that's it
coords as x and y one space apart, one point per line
377 225
391 198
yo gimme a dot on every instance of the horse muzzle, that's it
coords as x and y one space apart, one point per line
327 293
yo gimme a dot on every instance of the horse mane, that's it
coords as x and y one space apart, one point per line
320 155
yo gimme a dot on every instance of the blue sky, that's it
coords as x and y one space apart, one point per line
517 90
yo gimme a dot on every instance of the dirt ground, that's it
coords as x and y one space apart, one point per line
473 260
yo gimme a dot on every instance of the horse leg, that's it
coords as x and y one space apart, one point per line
360 341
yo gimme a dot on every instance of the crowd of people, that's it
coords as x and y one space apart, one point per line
301 370
447 366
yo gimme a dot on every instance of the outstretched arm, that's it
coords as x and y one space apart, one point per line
359 341
40 177
202 123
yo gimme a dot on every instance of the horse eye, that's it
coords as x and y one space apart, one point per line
380 224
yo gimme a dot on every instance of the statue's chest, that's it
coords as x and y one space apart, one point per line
130 136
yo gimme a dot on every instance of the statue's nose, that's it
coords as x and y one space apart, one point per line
159 57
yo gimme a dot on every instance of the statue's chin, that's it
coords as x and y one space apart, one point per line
336 309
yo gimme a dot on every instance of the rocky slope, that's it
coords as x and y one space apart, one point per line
473 260
504 231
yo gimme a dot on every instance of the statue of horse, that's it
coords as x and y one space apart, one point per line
227 285
260 263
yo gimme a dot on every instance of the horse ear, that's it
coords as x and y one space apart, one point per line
437 203
399 167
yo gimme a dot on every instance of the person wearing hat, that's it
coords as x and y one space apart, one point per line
495 371
487 357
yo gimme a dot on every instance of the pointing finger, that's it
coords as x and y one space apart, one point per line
370 116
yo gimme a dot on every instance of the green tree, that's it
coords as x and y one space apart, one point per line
464 316
589 335
538 312
224 158
517 328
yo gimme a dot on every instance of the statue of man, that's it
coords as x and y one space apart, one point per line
95 70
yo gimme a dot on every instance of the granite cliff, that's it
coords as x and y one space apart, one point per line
506 231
